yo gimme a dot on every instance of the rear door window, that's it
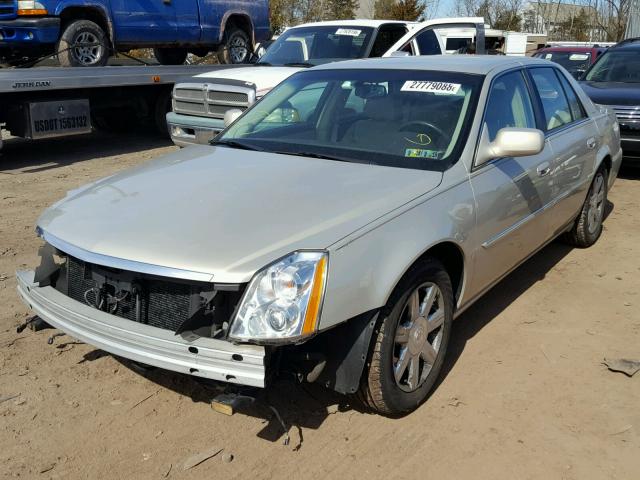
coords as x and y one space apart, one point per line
577 110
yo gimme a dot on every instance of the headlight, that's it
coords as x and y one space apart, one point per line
31 7
283 301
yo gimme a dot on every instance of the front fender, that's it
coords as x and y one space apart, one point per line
242 13
365 267
99 6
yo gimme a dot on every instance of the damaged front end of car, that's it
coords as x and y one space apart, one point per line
192 327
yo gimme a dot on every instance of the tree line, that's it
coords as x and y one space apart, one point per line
579 20
288 13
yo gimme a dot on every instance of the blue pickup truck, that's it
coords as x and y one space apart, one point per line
86 32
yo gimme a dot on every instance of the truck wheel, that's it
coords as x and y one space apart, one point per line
83 44
588 226
411 342
236 46
162 107
170 56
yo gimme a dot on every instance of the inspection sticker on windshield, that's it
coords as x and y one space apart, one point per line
444 88
350 32
421 153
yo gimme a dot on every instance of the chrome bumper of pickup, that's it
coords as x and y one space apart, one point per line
186 353
188 130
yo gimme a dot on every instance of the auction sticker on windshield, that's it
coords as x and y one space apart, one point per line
445 88
350 32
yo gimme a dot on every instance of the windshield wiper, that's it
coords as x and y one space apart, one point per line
299 64
236 144
317 155
263 64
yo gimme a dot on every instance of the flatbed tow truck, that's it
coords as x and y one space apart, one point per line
45 102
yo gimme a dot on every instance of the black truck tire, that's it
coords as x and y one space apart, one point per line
170 56
235 47
83 44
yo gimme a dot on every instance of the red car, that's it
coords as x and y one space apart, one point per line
575 59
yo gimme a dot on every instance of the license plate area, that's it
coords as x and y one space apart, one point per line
60 118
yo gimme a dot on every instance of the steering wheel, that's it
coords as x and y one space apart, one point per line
421 123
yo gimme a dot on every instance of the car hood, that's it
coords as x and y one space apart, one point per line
262 77
228 212
612 93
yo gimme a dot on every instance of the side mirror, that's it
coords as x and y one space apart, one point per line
231 116
510 142
578 74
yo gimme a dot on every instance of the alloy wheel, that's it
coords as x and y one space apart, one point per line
418 336
238 49
596 204
87 49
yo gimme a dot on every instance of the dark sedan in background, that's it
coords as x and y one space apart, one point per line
614 81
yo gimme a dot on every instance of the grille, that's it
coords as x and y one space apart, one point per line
161 303
626 113
7 8
210 101
629 119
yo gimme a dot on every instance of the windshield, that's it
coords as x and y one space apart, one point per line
573 61
316 45
399 118
616 66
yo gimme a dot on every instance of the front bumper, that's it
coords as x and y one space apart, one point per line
185 353
190 130
29 31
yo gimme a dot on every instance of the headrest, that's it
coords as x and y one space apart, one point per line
380 108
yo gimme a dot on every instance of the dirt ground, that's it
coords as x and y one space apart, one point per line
524 394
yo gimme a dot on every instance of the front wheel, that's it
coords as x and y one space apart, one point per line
236 47
588 226
83 44
411 343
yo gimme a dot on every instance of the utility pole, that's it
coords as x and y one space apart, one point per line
633 23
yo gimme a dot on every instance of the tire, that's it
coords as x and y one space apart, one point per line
380 389
162 107
170 56
95 54
588 226
235 40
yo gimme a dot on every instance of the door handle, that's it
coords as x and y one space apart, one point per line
591 143
543 169
166 2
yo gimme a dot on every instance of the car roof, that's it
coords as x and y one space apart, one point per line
475 64
352 23
629 43
568 49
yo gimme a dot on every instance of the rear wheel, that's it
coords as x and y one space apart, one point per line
83 44
411 343
588 226
236 46
170 56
